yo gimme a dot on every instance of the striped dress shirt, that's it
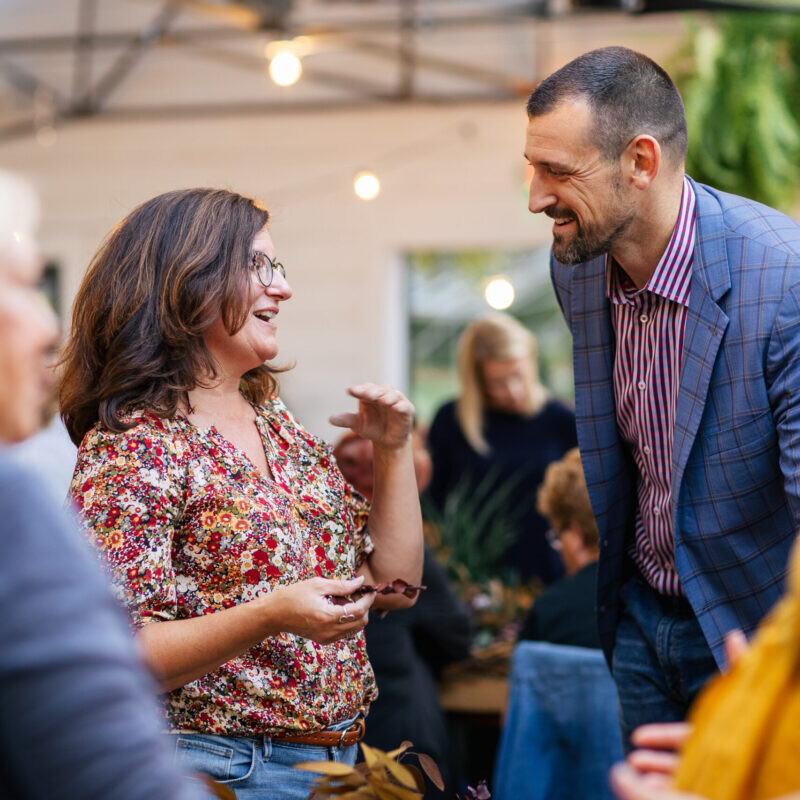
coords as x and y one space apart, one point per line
649 325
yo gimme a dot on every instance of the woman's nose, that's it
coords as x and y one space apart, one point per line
279 287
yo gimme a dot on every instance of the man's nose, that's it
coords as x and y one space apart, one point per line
539 197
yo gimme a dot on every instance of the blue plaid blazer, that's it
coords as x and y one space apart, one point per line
736 451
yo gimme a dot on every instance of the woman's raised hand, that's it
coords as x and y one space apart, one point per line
385 415
304 608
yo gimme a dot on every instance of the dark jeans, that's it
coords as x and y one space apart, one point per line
661 658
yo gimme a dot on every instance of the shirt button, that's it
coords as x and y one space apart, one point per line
646 450
657 511
642 386
643 318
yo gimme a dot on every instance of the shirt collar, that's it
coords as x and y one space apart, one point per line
672 277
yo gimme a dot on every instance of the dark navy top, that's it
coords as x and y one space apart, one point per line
521 449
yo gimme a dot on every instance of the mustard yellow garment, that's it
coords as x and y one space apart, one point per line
746 739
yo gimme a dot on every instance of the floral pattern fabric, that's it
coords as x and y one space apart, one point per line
189 526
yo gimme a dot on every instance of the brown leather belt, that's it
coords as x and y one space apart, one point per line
344 738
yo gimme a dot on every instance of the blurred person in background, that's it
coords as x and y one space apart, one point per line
502 431
565 612
232 537
78 715
409 648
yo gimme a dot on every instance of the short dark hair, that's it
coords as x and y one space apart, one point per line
628 93
157 283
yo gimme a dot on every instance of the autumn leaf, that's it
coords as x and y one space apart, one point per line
431 770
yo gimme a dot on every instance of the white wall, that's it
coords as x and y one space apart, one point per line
345 321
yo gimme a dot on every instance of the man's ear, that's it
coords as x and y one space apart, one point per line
642 160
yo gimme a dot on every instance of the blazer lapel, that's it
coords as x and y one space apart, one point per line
705 326
593 356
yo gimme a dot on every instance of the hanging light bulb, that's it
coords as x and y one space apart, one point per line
499 293
366 185
285 68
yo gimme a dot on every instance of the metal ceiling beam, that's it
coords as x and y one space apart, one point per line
41 44
323 77
89 100
82 70
26 83
446 66
153 113
137 46
407 50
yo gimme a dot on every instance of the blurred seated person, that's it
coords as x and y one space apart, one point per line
78 715
565 612
408 648
500 435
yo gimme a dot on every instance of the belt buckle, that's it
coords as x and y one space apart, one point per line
357 727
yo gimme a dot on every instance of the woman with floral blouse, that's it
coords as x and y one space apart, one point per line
231 535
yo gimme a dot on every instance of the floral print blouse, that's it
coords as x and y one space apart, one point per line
189 526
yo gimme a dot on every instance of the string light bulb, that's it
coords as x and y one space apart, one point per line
499 293
366 185
285 68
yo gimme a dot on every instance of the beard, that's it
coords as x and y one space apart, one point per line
588 241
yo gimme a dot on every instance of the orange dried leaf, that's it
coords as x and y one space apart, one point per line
431 770
399 773
218 789
417 777
334 768
400 750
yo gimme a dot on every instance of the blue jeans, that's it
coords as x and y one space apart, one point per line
661 659
257 769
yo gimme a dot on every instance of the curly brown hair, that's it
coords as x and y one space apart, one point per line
158 281
564 499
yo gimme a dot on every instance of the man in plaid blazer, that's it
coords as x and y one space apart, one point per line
684 305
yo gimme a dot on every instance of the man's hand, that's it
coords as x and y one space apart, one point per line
648 770
657 747
628 784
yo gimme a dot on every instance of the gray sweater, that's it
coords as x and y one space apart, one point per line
78 717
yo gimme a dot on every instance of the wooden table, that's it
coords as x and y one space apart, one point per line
468 693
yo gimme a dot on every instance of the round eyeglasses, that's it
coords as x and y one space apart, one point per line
552 539
264 268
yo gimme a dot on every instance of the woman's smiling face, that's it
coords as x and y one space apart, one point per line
256 341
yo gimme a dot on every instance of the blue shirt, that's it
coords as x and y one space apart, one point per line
77 711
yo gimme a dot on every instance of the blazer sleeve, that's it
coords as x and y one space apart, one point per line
783 380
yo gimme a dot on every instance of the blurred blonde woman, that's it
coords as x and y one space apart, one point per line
499 435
